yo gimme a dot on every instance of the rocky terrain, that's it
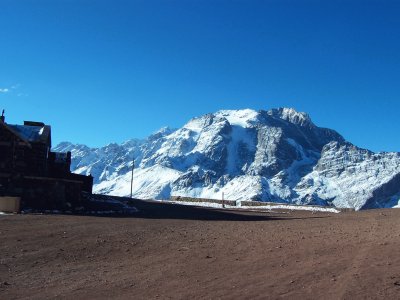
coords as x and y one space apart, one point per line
278 155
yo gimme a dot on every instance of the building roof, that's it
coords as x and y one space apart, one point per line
33 134
30 133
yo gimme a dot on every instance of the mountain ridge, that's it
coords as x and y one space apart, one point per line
278 155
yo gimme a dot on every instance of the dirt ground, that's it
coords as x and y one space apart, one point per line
174 252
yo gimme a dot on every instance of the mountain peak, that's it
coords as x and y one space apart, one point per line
242 117
164 131
291 115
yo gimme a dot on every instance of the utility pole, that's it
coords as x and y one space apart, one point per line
133 167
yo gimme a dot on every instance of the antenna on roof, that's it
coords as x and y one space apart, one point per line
2 118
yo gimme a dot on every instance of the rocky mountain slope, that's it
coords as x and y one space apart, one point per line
277 155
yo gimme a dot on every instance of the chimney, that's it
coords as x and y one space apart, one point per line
2 118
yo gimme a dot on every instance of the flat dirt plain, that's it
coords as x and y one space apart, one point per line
175 252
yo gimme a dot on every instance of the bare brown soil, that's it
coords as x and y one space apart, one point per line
172 252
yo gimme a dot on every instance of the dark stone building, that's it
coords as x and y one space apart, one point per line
30 170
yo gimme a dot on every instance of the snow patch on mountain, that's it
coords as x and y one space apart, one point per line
148 183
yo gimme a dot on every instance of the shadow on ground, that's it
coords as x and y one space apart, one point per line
122 207
165 210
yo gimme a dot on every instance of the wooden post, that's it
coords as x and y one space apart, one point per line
133 167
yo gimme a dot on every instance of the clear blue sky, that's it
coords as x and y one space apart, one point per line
107 71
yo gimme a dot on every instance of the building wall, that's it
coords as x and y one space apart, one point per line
12 153
18 158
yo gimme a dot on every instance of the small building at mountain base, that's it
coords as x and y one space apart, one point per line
31 171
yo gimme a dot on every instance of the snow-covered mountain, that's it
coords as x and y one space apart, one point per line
277 155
